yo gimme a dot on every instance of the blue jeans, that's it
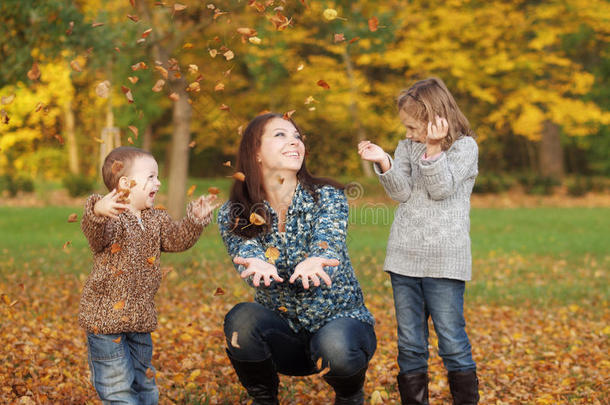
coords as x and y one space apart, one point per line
118 364
415 300
345 345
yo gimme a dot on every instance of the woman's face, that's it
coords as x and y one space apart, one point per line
416 130
281 147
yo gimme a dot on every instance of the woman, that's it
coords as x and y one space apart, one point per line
285 231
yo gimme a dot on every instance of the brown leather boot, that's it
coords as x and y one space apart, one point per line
464 387
258 378
413 388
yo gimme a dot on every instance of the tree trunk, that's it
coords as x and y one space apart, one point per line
147 138
179 158
70 137
353 109
551 152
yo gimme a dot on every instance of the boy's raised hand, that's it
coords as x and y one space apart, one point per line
204 206
109 206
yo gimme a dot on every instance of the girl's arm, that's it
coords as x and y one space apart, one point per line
397 180
443 175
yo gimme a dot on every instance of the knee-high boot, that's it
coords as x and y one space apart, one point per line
413 388
259 378
348 390
464 387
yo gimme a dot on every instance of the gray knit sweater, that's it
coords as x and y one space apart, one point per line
430 234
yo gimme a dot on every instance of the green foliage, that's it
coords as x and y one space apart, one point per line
78 185
538 185
13 184
579 186
492 183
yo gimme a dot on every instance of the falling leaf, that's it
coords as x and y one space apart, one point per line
127 92
219 87
70 27
323 84
129 140
116 167
174 96
330 14
98 140
133 18
288 115
323 245
187 45
213 190
283 309
162 70
373 24
6 100
133 79
132 183
118 305
134 130
224 107
117 340
219 291
280 21
34 72
59 138
116 48
256 219
179 7
97 24
339 38
310 100
351 41
249 32
229 55
115 248
193 69
103 89
300 67
194 87
146 33
73 217
158 85
150 373
151 260
227 163
191 190
234 340
255 40
239 176
319 363
272 253
67 245
40 106
6 299
213 53
139 66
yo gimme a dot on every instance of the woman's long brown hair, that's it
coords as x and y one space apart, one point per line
248 196
430 97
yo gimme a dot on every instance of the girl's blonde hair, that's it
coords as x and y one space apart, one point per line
430 97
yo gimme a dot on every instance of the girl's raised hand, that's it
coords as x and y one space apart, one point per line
258 269
371 152
109 206
313 268
204 206
437 131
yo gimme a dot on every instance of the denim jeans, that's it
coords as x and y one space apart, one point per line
345 345
416 299
118 364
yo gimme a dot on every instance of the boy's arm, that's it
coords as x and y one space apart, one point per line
443 175
397 180
177 236
99 230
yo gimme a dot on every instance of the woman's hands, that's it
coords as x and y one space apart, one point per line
258 269
374 153
109 206
311 268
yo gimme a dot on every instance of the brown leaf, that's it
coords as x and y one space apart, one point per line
70 27
162 70
151 260
219 87
280 179
179 7
229 55
249 32
373 24
34 72
192 144
97 24
213 53
339 38
191 190
127 92
193 68
158 85
287 115
239 176
118 305
129 140
139 66
174 96
227 163
224 107
115 248
213 190
194 87
4 118
219 291
133 79
323 84
146 33
150 373
272 253
73 217
133 18
6 100
134 130
234 338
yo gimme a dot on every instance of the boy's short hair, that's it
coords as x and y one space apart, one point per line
118 162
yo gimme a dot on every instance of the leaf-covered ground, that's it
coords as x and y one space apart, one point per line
526 353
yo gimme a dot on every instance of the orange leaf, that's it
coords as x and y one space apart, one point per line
151 260
272 253
174 96
213 190
287 115
73 218
129 140
187 45
192 144
75 66
134 130
67 245
323 245
115 248
323 84
133 79
256 219
132 183
191 190
219 87
227 163
161 70
150 373
373 24
118 305
34 72
127 93
6 299
158 85
351 41
224 107
219 291
117 340
160 207
239 176
146 33
179 7
283 309
97 24
133 18
139 66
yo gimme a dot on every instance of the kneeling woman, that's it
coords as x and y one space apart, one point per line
309 311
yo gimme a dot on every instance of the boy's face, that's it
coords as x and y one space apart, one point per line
144 171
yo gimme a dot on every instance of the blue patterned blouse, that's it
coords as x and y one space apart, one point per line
312 229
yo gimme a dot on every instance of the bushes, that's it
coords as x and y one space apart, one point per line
538 185
492 183
13 184
78 185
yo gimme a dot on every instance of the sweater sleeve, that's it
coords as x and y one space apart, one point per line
329 230
444 175
397 180
98 230
177 236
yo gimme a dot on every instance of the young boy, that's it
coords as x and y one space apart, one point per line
127 235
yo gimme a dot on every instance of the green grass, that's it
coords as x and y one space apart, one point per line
537 255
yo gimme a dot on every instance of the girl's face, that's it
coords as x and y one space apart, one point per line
282 148
416 129
144 172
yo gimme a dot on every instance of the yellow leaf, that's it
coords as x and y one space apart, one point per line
257 219
234 338
272 254
118 305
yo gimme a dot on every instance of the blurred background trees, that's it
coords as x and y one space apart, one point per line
183 78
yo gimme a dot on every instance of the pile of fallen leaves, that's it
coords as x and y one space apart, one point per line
525 354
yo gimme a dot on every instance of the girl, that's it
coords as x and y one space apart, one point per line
428 254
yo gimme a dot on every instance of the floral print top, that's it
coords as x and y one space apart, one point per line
312 229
